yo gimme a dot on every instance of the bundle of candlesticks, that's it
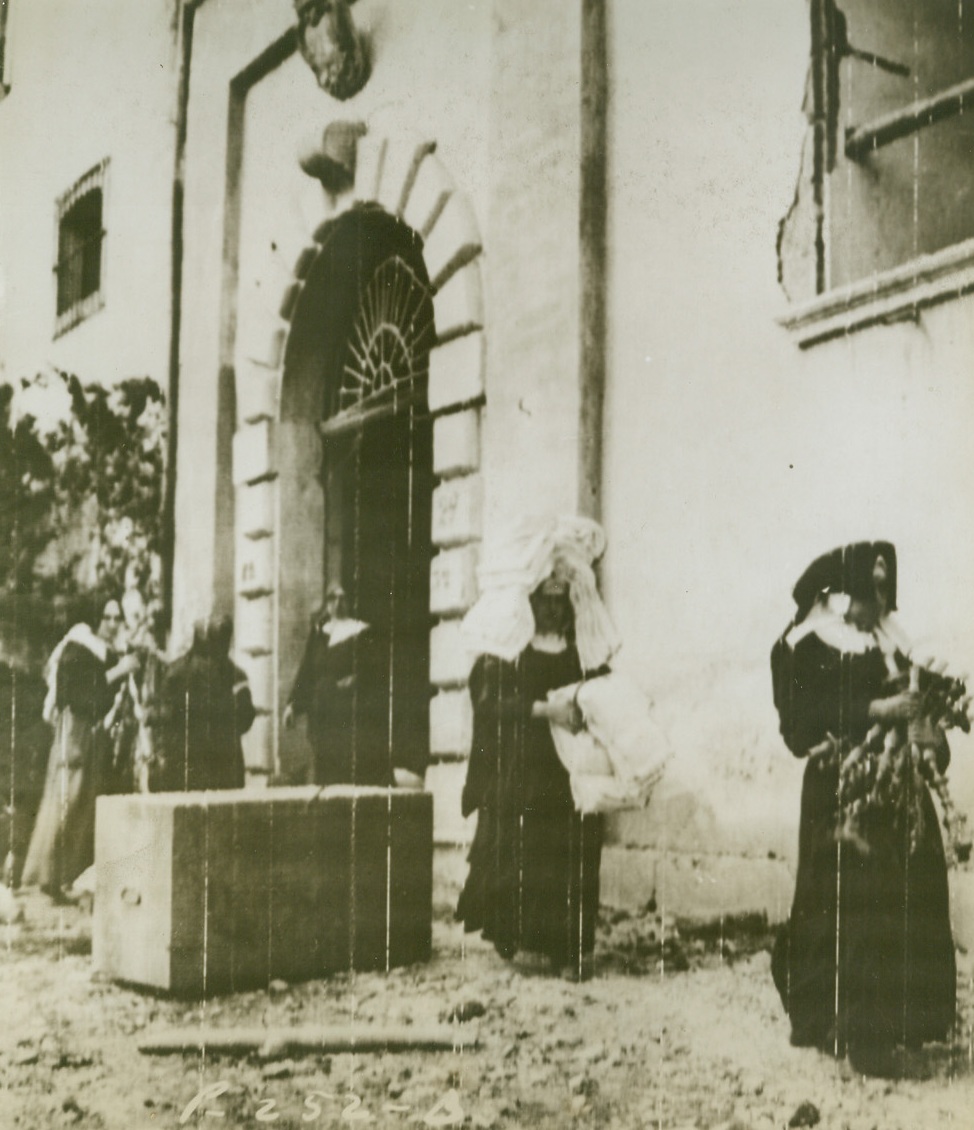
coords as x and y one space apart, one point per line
882 779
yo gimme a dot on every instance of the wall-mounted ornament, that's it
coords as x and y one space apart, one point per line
332 46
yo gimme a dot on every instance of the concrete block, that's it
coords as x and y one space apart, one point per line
255 567
305 260
255 509
456 371
458 510
254 624
450 658
451 723
253 453
201 893
289 303
445 782
420 153
258 390
399 170
676 819
453 581
431 190
261 341
286 240
454 240
369 159
271 351
258 747
962 907
698 887
456 443
459 306
449 874
259 670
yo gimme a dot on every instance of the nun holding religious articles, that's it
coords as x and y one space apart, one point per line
538 628
866 961
82 674
131 721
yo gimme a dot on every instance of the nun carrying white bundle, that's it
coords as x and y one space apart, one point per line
539 627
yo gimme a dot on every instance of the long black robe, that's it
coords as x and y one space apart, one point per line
205 708
341 689
896 969
63 841
25 744
533 882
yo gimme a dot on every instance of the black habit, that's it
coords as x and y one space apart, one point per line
533 883
206 707
891 938
341 689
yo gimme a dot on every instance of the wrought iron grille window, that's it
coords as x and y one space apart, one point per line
80 245
889 101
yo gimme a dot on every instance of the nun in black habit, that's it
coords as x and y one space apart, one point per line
533 883
866 961
340 690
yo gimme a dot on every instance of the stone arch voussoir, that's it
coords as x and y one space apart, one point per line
406 178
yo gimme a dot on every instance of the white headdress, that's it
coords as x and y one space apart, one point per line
501 623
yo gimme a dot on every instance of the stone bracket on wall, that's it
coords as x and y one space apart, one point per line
407 179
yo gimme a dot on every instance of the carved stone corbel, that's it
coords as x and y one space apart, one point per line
332 46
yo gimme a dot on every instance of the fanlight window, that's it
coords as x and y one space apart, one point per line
387 356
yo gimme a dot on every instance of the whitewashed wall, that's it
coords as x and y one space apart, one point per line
87 82
280 209
733 457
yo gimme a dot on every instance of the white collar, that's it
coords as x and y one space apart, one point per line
83 635
549 643
338 631
826 619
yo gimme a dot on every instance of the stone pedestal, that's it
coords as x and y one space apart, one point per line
201 893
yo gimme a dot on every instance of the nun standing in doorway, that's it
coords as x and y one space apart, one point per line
533 883
333 690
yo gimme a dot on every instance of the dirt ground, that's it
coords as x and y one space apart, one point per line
677 1028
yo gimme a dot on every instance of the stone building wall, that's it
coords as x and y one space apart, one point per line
742 436
738 449
86 84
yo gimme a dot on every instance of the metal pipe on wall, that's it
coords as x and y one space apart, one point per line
184 17
593 255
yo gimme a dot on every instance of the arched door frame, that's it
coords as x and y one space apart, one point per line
407 180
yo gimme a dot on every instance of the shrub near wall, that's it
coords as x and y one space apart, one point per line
80 503
80 500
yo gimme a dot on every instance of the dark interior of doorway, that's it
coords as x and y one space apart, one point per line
376 463
386 511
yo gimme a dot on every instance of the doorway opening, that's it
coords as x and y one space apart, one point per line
356 370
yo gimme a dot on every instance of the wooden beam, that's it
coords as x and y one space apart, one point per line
353 419
949 103
281 1043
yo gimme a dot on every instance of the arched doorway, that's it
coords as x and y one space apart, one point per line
279 451
358 435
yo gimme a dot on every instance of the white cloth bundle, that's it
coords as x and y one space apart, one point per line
620 755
